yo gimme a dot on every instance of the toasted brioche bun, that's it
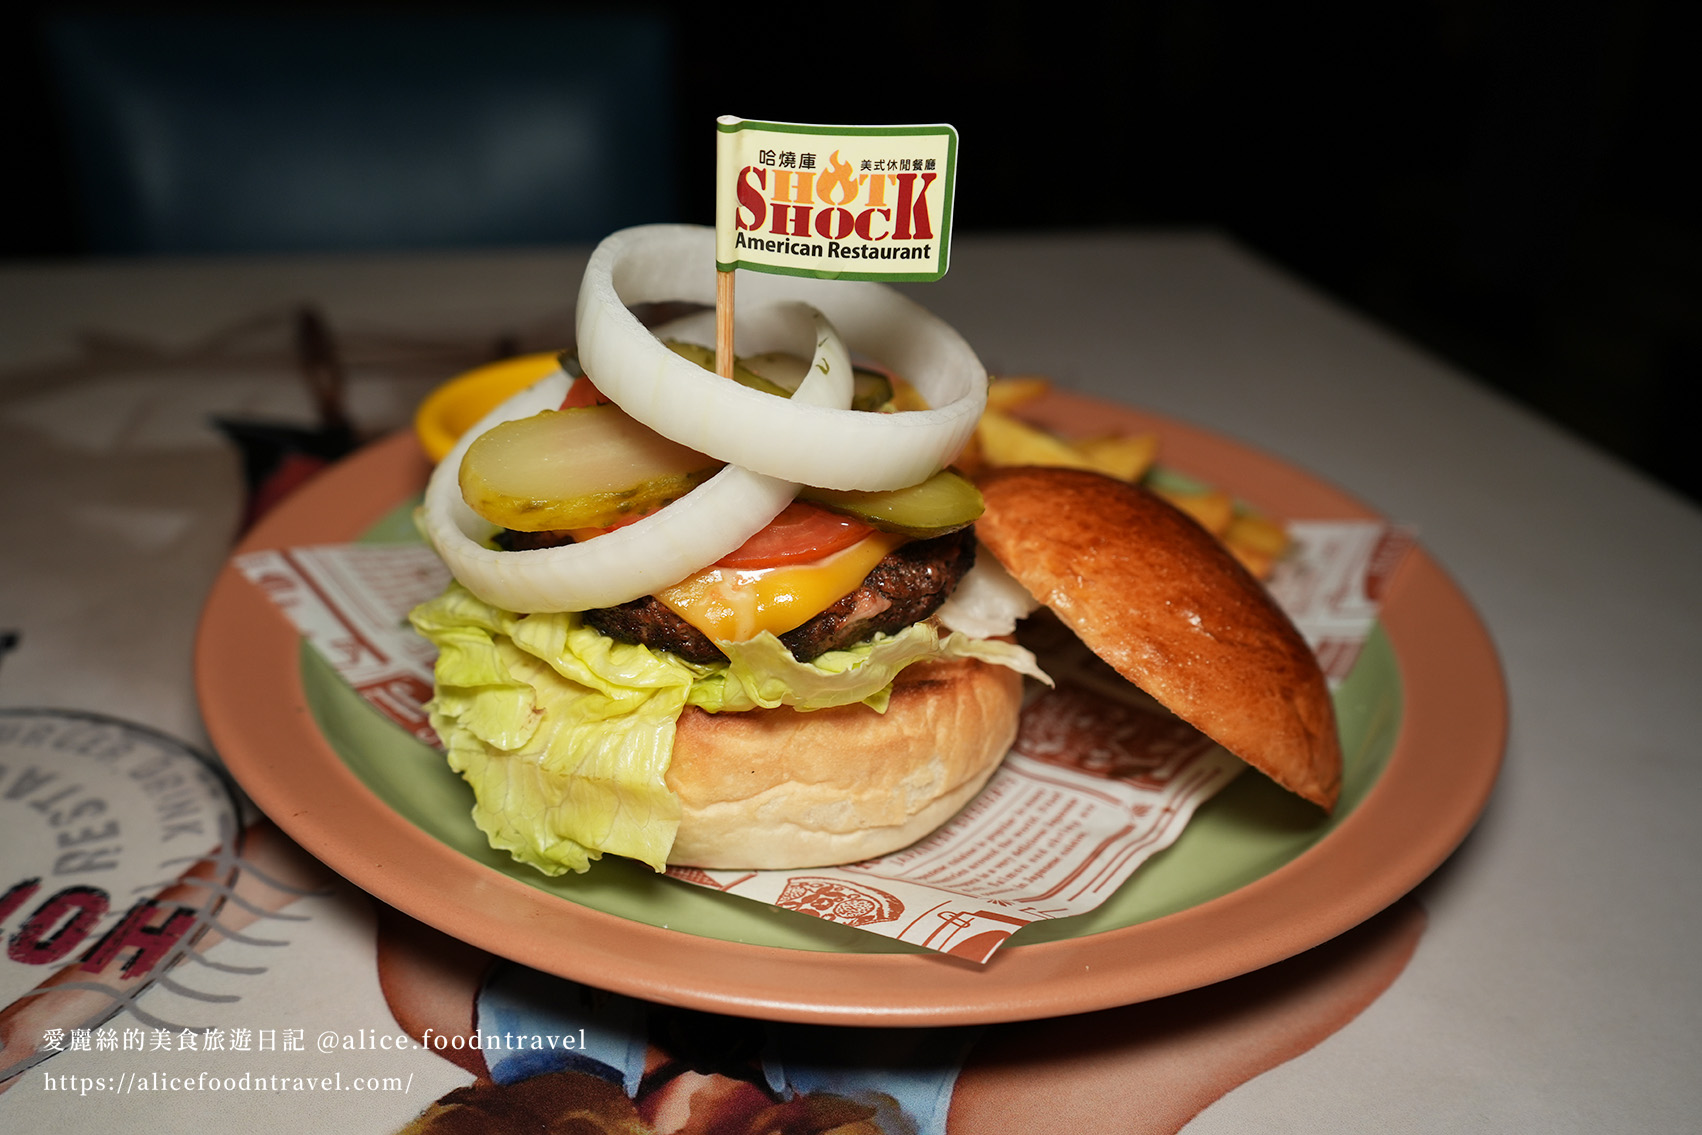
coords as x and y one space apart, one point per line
777 788
1156 596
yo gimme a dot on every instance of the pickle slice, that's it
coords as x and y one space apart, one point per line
870 390
943 503
587 467
780 373
742 374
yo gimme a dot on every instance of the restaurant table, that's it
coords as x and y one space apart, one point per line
1553 985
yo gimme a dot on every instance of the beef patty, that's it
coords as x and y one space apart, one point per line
905 587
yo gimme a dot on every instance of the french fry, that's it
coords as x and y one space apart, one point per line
906 396
1002 439
1257 563
1213 509
1257 534
1007 441
970 460
1013 390
1127 458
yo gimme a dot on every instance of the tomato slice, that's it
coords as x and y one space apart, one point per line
582 534
582 393
802 532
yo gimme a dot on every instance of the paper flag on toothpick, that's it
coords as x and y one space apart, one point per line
838 202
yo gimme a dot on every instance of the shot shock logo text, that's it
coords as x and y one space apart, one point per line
849 202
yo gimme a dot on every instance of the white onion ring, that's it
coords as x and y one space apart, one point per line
641 558
810 444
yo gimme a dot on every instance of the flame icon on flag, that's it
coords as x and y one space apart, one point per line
837 184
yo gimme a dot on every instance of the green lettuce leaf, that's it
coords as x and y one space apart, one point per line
762 673
565 735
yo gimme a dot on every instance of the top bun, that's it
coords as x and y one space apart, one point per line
1156 596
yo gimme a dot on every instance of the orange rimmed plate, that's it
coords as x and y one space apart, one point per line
1256 878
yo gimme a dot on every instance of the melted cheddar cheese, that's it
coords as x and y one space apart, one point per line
734 604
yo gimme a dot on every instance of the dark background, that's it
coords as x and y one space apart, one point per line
1509 184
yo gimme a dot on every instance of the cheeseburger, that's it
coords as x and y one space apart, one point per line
754 623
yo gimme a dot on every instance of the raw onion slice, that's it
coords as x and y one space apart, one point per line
641 558
829 447
988 602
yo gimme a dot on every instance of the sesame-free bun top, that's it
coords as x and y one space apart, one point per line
1159 598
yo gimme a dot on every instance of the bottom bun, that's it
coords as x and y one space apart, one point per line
776 788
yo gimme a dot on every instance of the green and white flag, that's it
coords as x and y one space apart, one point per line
838 202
